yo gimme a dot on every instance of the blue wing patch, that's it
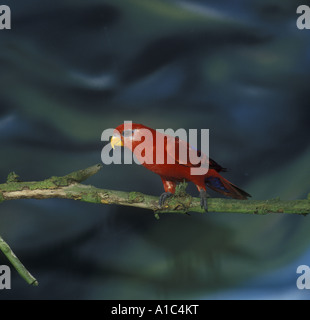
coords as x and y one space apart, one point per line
216 183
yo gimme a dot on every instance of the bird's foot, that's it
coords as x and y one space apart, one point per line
204 200
163 197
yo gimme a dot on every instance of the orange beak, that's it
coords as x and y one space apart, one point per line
116 141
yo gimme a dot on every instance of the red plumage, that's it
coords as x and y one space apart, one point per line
173 168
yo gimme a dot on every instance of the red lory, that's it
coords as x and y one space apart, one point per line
171 168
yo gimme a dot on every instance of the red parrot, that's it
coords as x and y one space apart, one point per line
171 172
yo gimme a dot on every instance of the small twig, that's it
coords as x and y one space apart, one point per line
24 273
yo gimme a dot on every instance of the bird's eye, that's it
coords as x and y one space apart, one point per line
127 133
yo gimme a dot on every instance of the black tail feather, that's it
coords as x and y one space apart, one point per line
223 186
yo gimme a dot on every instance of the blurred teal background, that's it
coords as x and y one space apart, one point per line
70 69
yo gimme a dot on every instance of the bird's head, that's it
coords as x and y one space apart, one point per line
129 135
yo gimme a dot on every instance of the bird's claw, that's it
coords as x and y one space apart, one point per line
163 197
204 200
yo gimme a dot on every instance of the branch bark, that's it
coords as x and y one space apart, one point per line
70 187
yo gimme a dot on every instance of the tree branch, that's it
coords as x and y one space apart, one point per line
70 187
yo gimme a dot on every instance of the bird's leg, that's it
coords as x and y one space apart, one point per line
163 197
169 187
203 199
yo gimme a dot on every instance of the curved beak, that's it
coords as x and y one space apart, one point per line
116 141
